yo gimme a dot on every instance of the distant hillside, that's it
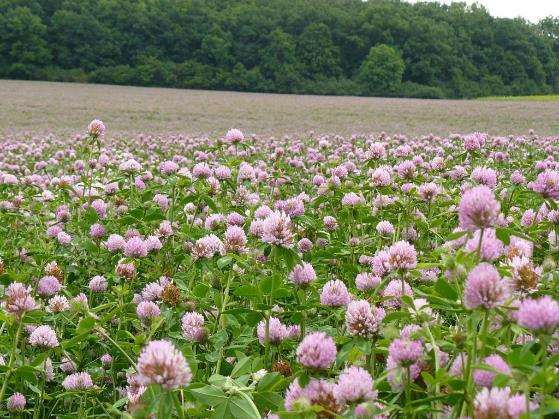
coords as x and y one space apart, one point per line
377 47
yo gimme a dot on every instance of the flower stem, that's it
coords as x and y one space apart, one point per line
11 361
178 405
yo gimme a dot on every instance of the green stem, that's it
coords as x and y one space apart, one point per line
178 405
436 352
38 411
478 251
11 361
472 357
483 333
372 359
106 335
220 319
303 313
407 390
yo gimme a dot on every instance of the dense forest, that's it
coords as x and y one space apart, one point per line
376 47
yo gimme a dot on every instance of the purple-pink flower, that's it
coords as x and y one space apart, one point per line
78 381
192 325
538 315
302 274
478 208
362 319
354 385
317 351
334 294
402 255
44 337
160 362
16 402
485 288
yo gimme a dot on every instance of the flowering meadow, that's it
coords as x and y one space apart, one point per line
369 276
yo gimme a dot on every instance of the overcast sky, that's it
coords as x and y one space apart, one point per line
532 10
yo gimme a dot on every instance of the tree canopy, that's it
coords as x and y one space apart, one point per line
375 47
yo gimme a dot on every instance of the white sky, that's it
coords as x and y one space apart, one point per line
532 10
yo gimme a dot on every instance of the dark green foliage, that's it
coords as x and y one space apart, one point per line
381 72
288 46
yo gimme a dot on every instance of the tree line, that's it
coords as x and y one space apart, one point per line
342 47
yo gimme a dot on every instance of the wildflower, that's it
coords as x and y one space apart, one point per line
67 365
16 402
304 245
394 291
64 238
365 281
525 276
98 284
499 403
316 392
234 136
428 191
379 263
78 381
547 184
79 302
277 331
381 177
484 288
317 351
330 222
235 239
168 167
276 229
18 299
485 377
126 270
491 247
147 310
152 291
478 208
130 166
519 247
539 315
153 243
48 285
43 336
58 304
402 255
405 352
171 295
161 363
362 319
302 274
385 228
165 228
97 231
192 325
207 247
115 242
201 170
334 294
474 141
106 360
162 201
485 176
135 247
96 128
351 199
100 208
354 385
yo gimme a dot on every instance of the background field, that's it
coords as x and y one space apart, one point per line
42 107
